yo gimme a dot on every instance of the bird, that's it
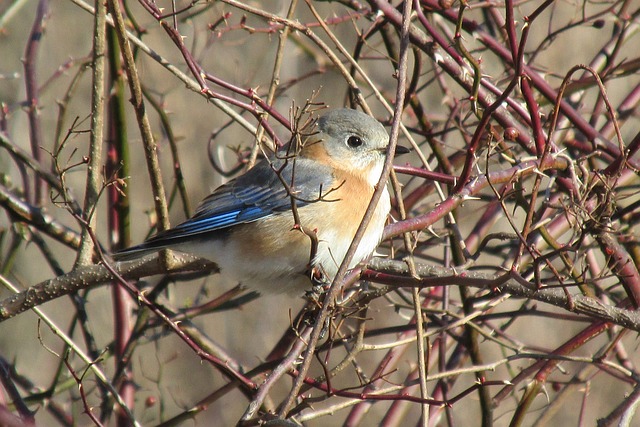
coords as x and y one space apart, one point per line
294 214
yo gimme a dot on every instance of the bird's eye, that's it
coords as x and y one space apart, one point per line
354 141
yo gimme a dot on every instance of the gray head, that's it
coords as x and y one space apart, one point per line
351 140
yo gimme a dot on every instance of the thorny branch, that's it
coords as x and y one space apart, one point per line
515 230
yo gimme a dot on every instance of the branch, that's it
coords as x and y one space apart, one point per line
508 283
92 275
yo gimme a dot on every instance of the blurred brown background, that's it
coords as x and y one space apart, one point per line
166 369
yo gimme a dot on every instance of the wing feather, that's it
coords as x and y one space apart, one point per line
257 194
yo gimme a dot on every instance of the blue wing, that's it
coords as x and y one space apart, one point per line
257 194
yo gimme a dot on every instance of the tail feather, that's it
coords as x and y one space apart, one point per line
136 252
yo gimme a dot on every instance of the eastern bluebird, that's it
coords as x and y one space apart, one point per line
248 226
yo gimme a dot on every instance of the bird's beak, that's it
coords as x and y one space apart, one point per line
401 150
